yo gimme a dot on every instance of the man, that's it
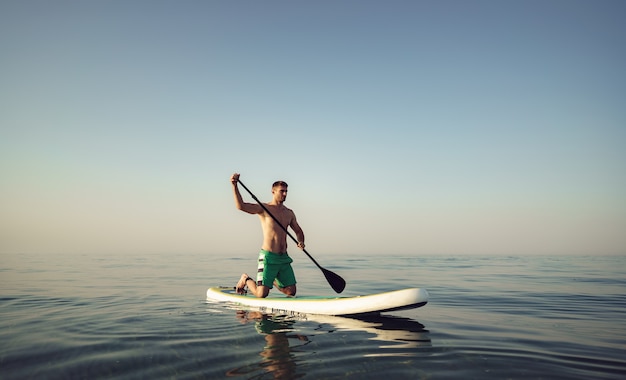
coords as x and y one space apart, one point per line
274 262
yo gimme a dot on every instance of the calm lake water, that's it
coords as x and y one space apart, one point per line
146 317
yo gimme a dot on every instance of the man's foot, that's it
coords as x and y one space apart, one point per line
241 285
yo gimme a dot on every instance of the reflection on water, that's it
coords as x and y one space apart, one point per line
391 331
279 358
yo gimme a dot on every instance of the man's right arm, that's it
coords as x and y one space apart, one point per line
250 208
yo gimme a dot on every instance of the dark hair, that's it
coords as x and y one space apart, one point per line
279 183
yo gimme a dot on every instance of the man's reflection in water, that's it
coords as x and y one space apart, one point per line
278 358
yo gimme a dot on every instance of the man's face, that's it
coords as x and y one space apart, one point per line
280 193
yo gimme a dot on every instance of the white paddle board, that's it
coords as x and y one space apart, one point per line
373 303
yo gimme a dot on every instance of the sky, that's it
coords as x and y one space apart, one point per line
402 127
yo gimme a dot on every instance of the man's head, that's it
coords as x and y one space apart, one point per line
279 183
279 190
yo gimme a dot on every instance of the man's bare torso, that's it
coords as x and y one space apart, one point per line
274 237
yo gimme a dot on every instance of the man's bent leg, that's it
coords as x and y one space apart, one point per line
288 290
286 276
259 291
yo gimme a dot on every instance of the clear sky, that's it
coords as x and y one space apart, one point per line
402 127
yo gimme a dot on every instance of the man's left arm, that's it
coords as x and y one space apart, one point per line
298 230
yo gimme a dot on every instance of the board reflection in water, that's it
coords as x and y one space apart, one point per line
287 337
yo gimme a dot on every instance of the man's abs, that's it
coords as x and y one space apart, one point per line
275 243
274 237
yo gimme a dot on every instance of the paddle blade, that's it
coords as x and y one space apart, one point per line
336 282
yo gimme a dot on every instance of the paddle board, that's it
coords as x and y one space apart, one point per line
373 303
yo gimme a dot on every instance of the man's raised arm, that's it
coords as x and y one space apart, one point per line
250 208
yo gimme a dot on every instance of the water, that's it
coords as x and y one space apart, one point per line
146 317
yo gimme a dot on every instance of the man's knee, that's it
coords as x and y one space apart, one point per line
290 290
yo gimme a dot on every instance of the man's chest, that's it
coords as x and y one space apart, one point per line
283 216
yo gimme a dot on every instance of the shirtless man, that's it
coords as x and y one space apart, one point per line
274 262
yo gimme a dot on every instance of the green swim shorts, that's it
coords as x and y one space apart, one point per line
273 266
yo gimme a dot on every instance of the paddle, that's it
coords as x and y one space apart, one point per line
335 281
